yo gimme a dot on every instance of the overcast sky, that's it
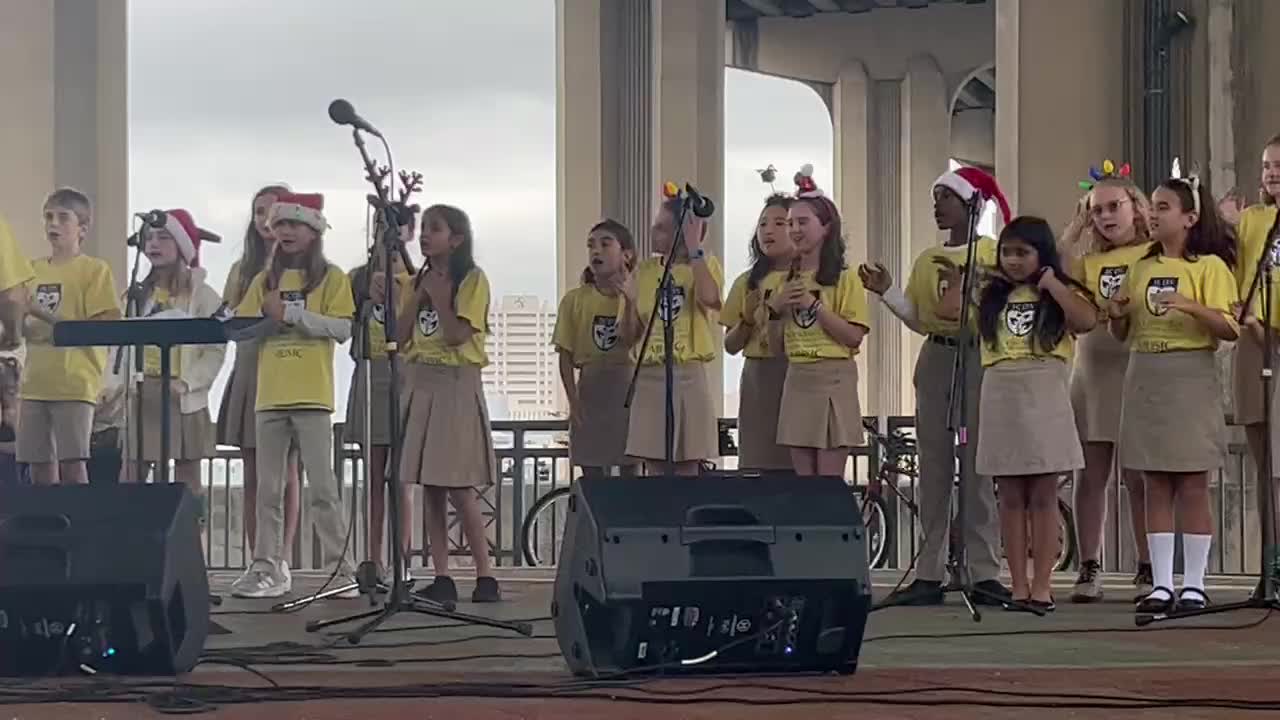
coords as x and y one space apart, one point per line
230 95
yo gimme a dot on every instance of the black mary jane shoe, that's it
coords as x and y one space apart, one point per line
1043 606
1155 605
1196 600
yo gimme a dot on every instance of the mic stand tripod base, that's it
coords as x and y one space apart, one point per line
1271 603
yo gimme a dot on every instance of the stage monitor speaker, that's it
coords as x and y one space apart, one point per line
109 577
711 574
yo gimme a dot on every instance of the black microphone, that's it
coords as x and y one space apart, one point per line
155 218
699 203
341 112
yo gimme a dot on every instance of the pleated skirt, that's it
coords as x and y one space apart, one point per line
237 414
1097 386
759 407
357 397
820 406
696 431
447 437
598 438
191 436
1027 426
1172 419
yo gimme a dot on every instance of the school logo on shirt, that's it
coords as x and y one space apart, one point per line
670 304
1275 253
379 313
49 297
293 298
1157 287
604 332
1019 318
1110 280
805 317
428 321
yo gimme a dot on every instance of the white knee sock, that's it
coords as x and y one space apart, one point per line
1195 557
1161 546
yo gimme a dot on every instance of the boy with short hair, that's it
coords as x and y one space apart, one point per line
61 385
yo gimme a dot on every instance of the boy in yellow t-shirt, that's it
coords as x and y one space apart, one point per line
60 385
307 309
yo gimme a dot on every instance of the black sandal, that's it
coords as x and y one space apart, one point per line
1156 606
1192 603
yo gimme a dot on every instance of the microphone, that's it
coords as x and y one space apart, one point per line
155 218
699 203
341 112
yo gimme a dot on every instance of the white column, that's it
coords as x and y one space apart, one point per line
26 123
579 181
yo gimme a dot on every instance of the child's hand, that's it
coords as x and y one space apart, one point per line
624 281
273 306
1247 318
875 278
794 295
693 229
950 274
178 387
751 307
1118 306
1047 278
1174 301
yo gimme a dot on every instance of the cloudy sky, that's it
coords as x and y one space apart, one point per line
230 95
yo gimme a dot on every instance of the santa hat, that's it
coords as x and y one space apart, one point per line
968 181
182 227
306 208
806 187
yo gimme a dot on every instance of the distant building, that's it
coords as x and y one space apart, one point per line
523 368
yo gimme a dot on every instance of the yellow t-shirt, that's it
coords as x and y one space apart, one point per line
692 337
736 304
803 336
1015 332
587 327
295 371
925 286
1103 273
1207 280
15 268
1255 222
75 290
377 313
161 300
472 304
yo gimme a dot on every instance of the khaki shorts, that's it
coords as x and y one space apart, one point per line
50 431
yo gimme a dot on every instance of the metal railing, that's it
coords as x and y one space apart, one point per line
533 459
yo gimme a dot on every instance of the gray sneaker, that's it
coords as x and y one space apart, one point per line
1088 587
1143 582
262 580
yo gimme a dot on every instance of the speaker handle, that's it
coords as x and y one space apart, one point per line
695 534
22 525
720 515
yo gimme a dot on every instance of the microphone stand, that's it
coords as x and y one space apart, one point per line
1267 597
133 309
398 597
665 294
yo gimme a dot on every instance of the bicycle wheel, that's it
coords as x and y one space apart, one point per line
1066 537
875 517
543 528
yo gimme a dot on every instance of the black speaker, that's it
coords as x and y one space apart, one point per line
109 577
711 574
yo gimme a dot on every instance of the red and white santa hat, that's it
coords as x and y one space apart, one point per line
306 208
182 227
806 186
968 181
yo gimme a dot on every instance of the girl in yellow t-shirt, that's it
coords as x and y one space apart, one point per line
236 414
819 317
1173 310
1028 313
692 304
447 444
745 315
61 385
586 338
1108 234
368 288
175 282
305 303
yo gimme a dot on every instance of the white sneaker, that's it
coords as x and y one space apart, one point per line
262 580
288 575
352 592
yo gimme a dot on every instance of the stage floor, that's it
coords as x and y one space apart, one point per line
915 663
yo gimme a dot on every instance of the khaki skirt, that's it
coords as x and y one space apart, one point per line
447 438
696 430
820 406
1246 383
1097 384
191 436
237 415
759 407
1026 423
1173 420
598 439
380 423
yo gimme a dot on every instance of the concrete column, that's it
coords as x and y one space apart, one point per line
1222 161
1059 99
579 181
851 125
64 67
1256 89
